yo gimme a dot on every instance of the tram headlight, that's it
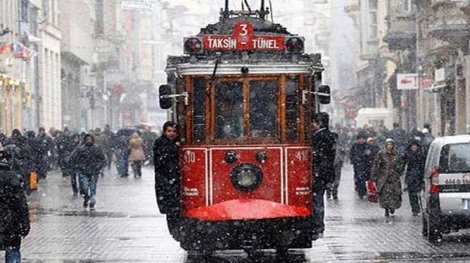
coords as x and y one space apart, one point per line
246 177
295 45
193 45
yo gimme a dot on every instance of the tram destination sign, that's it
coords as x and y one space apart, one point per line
243 38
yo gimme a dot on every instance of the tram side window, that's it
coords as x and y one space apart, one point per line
292 108
199 110
229 110
264 109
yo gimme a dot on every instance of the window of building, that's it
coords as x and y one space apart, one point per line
404 6
372 20
24 10
99 24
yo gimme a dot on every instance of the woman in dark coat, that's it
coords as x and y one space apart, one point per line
14 215
415 159
386 172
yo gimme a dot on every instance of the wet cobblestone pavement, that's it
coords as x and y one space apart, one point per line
126 227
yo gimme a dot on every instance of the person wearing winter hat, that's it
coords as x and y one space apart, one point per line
386 172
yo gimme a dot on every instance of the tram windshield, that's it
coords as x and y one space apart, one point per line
261 103
229 110
263 109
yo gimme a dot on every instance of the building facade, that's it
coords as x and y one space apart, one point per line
77 24
49 93
443 57
19 46
428 38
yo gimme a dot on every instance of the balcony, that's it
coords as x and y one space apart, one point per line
450 23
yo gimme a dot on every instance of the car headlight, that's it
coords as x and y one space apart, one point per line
246 177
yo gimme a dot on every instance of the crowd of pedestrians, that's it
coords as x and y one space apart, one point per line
383 157
72 154
26 157
379 159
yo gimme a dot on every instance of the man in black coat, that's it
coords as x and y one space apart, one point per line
45 147
167 174
14 215
23 162
359 155
323 168
88 159
415 160
65 146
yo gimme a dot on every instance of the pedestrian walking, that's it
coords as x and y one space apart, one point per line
18 146
65 146
88 159
323 147
72 167
136 154
400 138
122 164
359 160
167 175
108 144
414 160
340 157
371 153
3 138
427 140
149 138
14 218
44 151
386 172
100 141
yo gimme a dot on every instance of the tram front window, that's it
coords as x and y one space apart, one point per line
263 109
229 110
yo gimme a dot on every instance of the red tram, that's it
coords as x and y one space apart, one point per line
244 95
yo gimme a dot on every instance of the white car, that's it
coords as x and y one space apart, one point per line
446 205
